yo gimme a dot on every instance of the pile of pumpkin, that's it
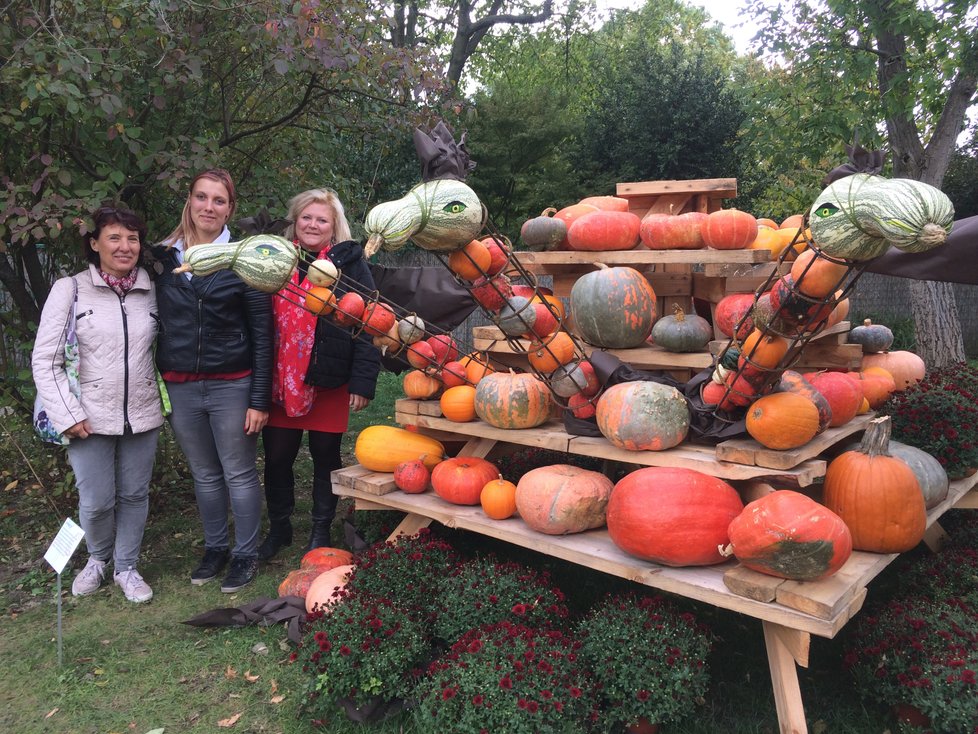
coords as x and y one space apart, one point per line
875 499
320 573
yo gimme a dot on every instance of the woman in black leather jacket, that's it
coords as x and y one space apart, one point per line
215 353
321 373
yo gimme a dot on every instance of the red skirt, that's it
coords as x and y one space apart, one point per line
330 413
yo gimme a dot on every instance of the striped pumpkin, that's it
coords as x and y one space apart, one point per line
264 261
643 416
613 307
510 400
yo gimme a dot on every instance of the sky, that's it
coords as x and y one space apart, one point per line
726 12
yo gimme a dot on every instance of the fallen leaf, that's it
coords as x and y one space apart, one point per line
234 695
230 673
11 485
274 686
277 699
249 677
52 712
260 649
229 722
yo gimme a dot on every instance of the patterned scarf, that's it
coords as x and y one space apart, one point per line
295 339
120 285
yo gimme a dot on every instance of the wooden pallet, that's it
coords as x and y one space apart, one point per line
677 197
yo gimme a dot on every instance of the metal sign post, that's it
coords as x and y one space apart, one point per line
58 554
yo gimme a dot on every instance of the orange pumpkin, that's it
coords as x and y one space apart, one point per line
419 386
793 222
905 367
794 382
877 495
458 403
763 350
412 476
453 374
460 480
562 498
297 582
729 229
817 276
321 594
511 400
547 356
843 395
325 558
498 499
782 420
320 300
471 262
643 416
604 230
839 312
556 305
568 215
606 203
378 318
876 386
476 367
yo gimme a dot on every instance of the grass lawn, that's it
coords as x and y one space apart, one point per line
131 668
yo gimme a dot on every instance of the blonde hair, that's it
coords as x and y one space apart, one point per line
187 230
328 197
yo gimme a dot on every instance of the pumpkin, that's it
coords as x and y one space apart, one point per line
445 348
681 332
791 536
476 367
871 337
927 208
876 386
581 406
906 367
382 448
877 495
840 312
741 389
643 416
492 293
412 476
349 309
604 230
323 272
297 583
321 594
547 356
471 262
410 329
569 379
419 386
712 392
673 231
320 301
733 310
606 203
930 473
793 382
554 303
325 558
452 374
264 261
499 252
613 307
378 318
795 221
544 321
673 516
592 385
421 356
562 498
765 351
729 229
440 215
816 275
498 498
801 312
388 344
511 400
460 480
458 403
516 317
843 395
782 420
544 232
570 214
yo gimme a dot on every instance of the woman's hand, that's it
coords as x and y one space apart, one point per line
80 430
255 420
358 402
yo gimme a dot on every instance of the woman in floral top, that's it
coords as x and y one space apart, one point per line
321 372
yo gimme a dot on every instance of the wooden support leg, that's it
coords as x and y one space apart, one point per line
410 525
478 447
935 537
968 502
785 648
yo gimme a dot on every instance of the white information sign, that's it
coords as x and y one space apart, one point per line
64 544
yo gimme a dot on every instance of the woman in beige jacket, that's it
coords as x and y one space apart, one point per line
114 425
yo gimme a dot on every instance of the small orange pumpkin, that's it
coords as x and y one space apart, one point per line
476 367
458 403
763 350
782 420
498 498
297 582
547 356
419 386
471 262
378 318
320 300
817 276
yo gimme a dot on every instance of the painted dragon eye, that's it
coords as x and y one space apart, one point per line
826 210
454 207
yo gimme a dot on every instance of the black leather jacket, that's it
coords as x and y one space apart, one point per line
338 359
213 324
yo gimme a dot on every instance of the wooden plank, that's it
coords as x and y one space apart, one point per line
559 261
759 272
661 203
410 525
826 598
478 447
935 537
968 502
406 405
717 187
784 681
751 584
668 285
346 475
749 451
377 483
429 407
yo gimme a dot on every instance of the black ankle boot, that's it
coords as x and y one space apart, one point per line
279 537
320 537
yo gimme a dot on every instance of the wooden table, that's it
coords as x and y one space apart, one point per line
790 612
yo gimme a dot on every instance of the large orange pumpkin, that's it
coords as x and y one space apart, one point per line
672 516
660 231
460 480
817 276
562 498
729 229
325 558
568 215
604 230
877 495
791 536
783 420
512 400
643 416
613 307
906 367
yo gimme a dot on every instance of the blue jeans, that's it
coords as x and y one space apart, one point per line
208 420
113 474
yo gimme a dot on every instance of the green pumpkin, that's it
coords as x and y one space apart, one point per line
264 261
613 307
873 338
682 333
440 215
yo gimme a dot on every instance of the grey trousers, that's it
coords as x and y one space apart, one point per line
112 474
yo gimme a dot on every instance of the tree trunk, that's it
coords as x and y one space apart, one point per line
938 329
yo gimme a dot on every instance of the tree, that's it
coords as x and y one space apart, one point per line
911 68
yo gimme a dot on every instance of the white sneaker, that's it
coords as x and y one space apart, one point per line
89 578
133 586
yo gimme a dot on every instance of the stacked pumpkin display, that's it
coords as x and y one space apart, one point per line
321 572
